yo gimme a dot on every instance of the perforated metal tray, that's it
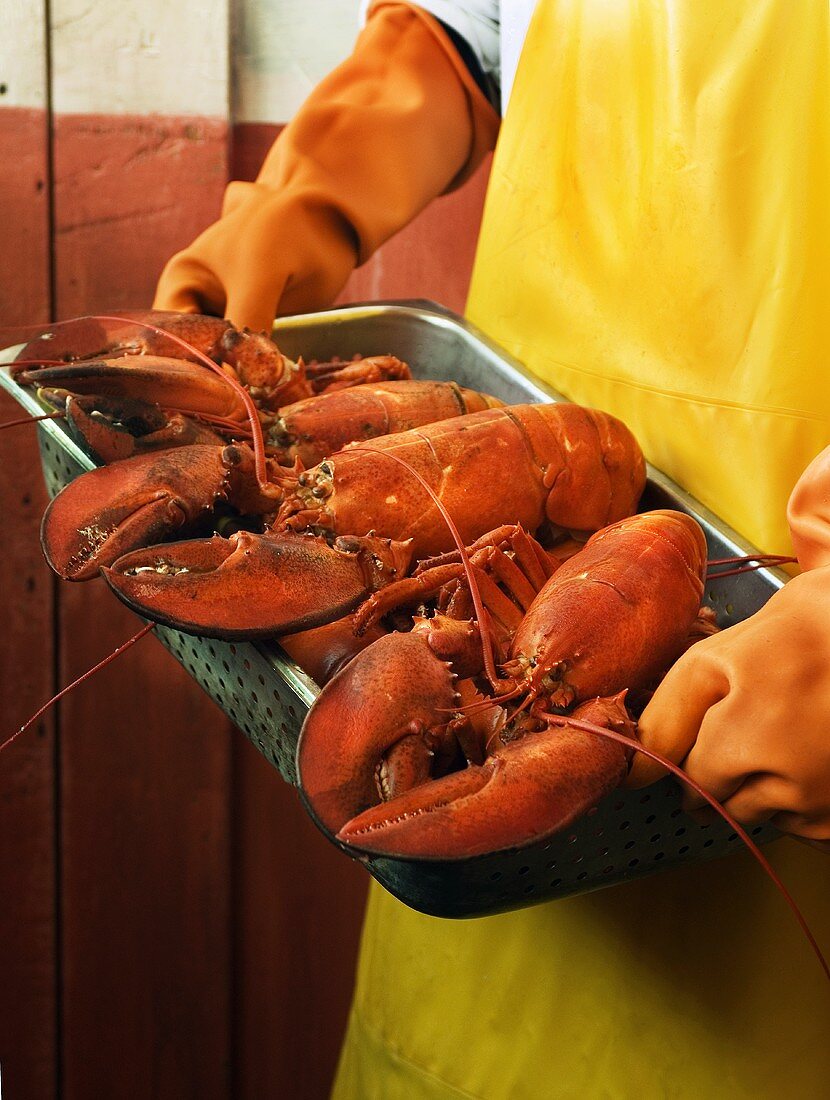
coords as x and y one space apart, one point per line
630 833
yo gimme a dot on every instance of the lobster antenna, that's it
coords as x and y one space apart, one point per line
75 683
481 612
612 735
743 564
32 420
16 364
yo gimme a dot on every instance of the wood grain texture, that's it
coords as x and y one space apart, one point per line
145 828
28 913
24 226
298 913
129 191
145 755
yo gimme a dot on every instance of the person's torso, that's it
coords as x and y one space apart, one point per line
655 243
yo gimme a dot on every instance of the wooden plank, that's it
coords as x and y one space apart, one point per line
28 951
145 827
145 754
299 906
130 190
28 937
140 155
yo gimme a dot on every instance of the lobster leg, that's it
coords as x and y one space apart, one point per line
335 375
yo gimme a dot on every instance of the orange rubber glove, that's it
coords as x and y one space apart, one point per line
747 711
398 123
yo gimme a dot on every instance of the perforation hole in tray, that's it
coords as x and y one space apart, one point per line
627 835
232 683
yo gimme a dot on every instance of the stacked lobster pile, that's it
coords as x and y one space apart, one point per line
346 493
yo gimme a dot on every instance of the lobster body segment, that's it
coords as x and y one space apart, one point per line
511 460
319 426
580 637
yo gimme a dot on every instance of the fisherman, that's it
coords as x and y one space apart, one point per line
656 243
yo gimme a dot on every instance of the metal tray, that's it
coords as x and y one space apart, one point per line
630 834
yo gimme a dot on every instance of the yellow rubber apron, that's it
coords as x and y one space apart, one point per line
656 242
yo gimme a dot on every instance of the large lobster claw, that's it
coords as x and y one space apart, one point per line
111 429
254 585
126 332
172 383
106 512
393 692
525 791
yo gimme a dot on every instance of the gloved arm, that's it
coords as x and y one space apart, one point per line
398 123
747 711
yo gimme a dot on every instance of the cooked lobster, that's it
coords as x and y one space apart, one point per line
130 405
611 619
358 520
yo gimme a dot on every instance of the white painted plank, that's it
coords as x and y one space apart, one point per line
140 57
22 54
282 50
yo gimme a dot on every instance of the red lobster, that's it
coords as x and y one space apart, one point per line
356 521
156 495
612 618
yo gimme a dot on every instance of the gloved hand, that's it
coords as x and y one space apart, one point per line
398 123
808 514
747 711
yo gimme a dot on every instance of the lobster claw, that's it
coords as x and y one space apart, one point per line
108 511
254 585
127 332
525 791
173 383
390 695
111 429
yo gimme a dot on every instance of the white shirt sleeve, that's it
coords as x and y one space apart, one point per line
476 22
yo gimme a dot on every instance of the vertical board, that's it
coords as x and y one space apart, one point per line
140 138
298 905
28 929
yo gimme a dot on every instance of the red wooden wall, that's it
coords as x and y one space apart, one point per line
171 924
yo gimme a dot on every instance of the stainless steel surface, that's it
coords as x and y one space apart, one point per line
631 833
